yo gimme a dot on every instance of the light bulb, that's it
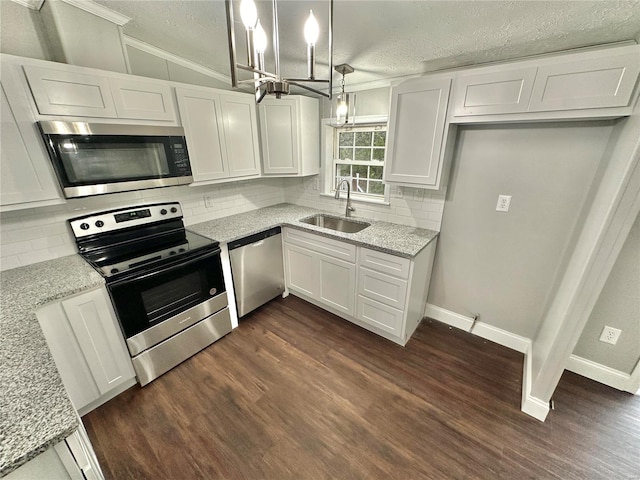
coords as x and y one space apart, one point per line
248 14
260 38
311 29
342 109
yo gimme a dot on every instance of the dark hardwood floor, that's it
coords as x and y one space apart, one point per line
297 393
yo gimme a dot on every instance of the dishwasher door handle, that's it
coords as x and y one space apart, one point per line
258 244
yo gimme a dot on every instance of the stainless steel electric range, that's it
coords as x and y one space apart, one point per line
165 282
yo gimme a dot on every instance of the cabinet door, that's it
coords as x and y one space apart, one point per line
494 92
59 92
102 345
142 100
202 122
26 174
416 129
280 137
302 270
337 283
241 134
593 83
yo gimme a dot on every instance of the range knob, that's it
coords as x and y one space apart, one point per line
84 226
174 209
181 250
172 252
114 270
99 224
163 212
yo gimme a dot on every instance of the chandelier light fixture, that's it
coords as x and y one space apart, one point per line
342 102
257 43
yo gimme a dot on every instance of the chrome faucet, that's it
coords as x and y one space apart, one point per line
349 208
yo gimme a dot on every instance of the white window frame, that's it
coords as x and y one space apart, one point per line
328 146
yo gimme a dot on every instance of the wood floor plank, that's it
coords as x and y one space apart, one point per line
298 393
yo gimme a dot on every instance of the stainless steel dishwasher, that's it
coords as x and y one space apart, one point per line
257 269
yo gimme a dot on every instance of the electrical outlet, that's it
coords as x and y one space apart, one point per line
397 192
503 203
316 184
208 201
610 335
418 194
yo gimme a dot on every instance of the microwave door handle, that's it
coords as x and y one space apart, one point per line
127 281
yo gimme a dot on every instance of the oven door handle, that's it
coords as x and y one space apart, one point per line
161 271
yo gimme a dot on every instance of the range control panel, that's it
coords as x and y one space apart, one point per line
113 220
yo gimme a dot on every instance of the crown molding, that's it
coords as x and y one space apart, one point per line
32 4
98 10
158 52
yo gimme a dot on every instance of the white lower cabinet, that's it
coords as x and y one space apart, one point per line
383 293
88 348
320 276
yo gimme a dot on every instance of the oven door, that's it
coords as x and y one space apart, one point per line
155 305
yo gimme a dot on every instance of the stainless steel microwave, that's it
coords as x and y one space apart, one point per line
95 158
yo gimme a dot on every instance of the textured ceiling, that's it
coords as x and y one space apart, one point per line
389 38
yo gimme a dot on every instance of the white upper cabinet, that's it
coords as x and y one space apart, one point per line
222 133
65 92
240 124
80 92
494 92
140 99
201 120
416 132
606 81
588 84
290 134
27 179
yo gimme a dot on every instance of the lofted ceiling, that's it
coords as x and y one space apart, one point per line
388 38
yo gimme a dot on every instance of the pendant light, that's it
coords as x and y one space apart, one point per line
342 101
265 82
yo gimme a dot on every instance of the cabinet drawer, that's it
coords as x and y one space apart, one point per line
385 263
320 244
379 315
384 288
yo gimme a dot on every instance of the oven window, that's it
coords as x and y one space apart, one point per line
97 162
170 298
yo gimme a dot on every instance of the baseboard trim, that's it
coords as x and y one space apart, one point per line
484 330
533 406
447 316
599 373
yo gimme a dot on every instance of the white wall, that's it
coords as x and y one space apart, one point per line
22 32
503 266
618 306
35 235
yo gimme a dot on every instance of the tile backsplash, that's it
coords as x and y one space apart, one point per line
413 206
39 234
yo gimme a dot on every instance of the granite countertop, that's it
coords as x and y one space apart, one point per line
392 238
35 410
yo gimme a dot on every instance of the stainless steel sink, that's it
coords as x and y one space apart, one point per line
336 223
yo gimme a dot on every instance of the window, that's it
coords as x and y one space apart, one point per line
358 157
